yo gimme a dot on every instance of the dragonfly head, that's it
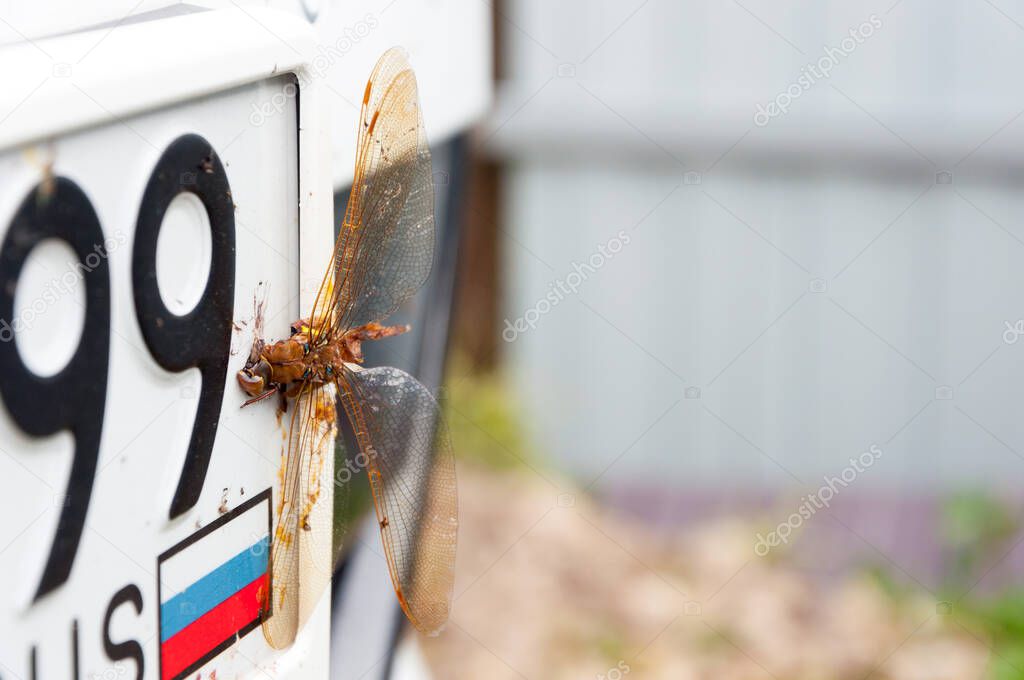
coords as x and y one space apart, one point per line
255 380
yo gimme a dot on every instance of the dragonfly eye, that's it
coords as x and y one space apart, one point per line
252 384
329 370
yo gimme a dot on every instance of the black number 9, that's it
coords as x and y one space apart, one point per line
74 399
201 338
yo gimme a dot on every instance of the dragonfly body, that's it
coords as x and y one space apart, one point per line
286 365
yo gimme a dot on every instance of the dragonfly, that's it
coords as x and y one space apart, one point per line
383 254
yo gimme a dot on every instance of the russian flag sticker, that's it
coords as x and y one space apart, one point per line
213 587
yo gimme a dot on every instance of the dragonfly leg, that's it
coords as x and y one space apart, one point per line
260 397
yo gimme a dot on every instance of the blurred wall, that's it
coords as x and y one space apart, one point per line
809 263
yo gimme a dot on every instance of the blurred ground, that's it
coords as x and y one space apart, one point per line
545 591
550 584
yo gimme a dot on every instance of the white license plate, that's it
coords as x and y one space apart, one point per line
135 495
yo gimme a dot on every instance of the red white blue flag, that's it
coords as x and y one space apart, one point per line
212 587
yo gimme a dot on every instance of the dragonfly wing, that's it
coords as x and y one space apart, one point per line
385 246
411 470
301 562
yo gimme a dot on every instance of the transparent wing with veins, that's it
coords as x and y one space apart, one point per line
409 463
301 562
399 428
385 246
